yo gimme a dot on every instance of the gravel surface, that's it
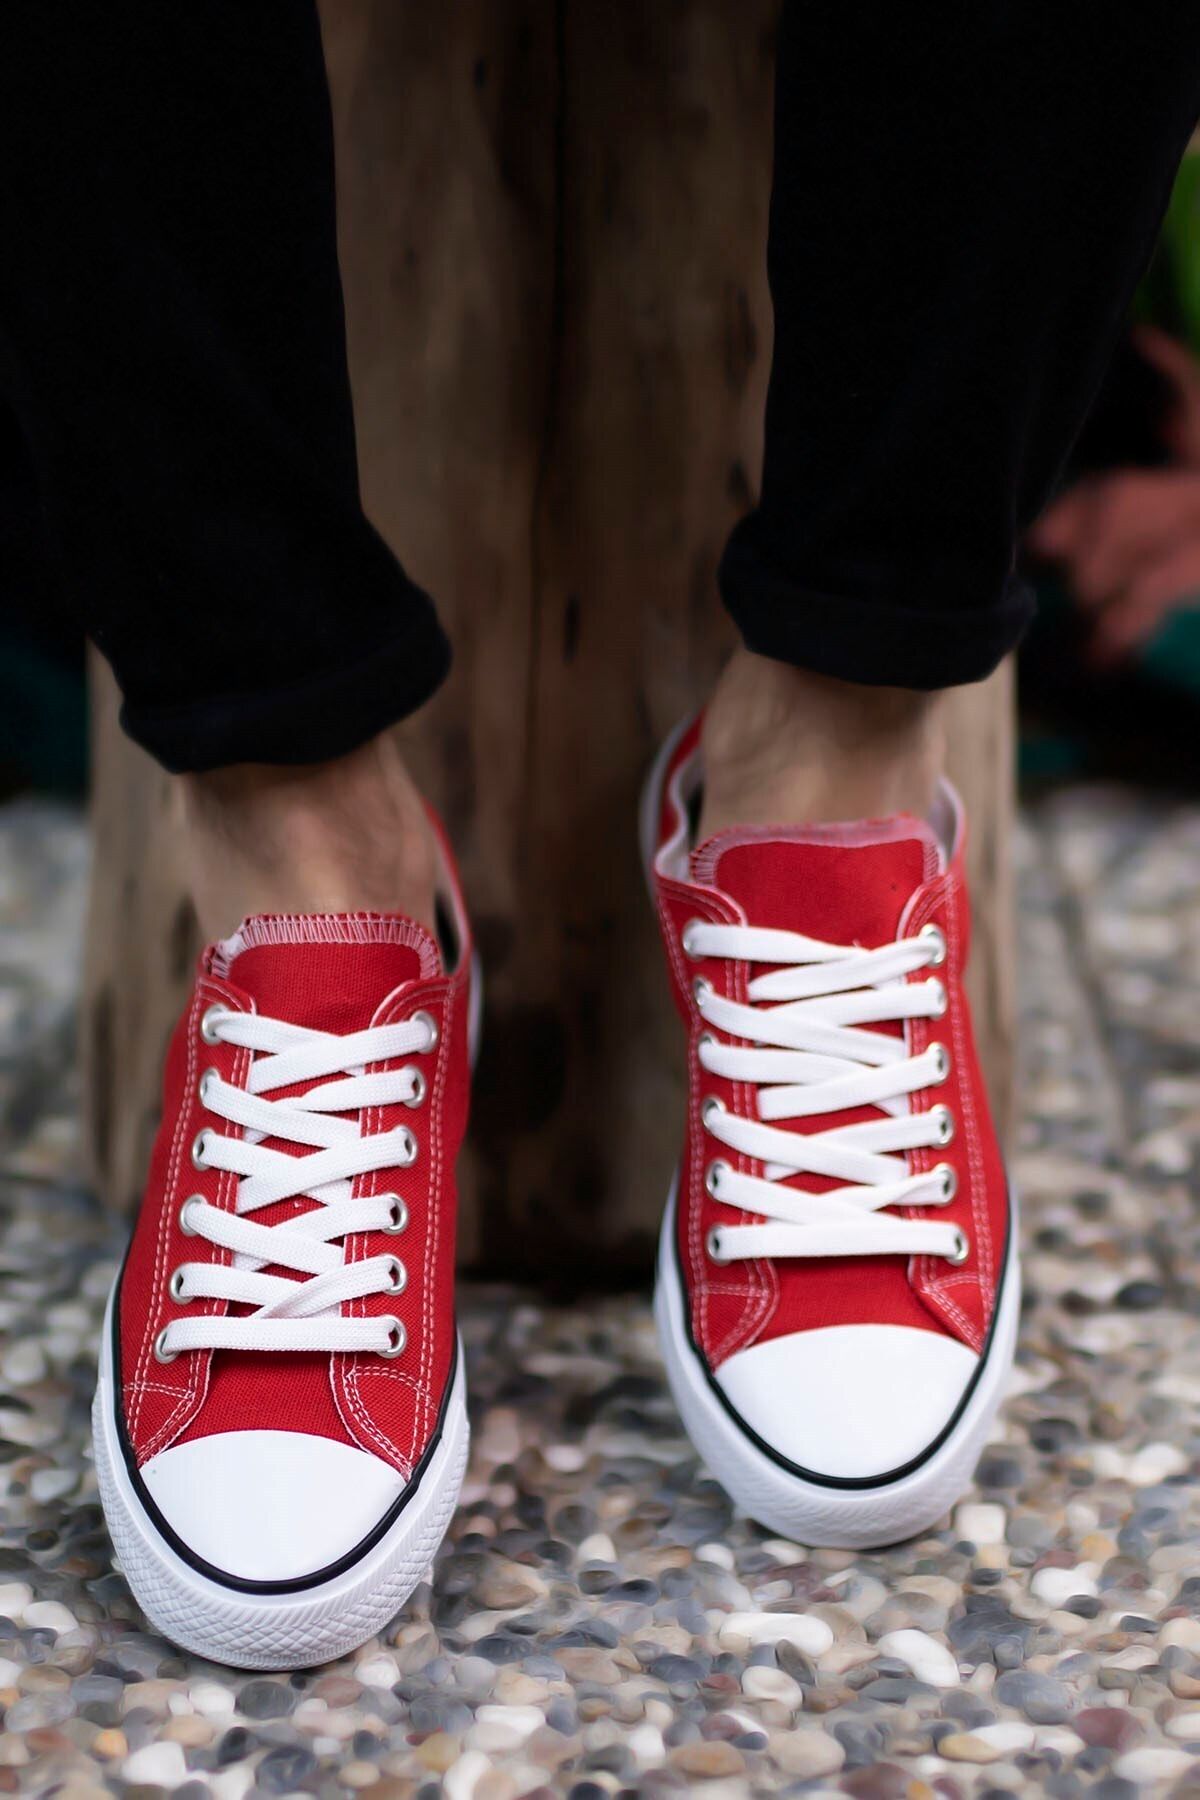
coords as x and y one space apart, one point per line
599 1622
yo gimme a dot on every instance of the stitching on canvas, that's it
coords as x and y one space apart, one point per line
327 928
349 1366
761 1293
153 1312
918 1035
433 1235
199 1366
352 1372
946 892
226 1198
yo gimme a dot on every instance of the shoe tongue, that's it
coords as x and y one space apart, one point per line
844 884
329 971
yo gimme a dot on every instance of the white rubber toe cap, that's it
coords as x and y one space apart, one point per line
849 1402
270 1505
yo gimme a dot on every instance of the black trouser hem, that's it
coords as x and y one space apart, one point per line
307 721
872 642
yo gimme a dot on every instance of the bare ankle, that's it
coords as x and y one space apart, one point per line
784 746
341 836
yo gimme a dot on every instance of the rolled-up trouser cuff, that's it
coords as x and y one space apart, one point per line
308 720
866 640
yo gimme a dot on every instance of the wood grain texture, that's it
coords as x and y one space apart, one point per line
553 220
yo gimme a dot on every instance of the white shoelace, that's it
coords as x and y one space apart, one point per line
301 1312
818 1061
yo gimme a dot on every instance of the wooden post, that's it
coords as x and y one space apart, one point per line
553 222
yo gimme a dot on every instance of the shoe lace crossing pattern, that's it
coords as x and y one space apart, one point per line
294 1274
807 1049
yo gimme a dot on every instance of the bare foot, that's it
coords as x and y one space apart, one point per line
343 836
786 747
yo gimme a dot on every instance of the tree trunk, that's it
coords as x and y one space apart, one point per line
553 220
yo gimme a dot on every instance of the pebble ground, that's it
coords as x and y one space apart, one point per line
600 1623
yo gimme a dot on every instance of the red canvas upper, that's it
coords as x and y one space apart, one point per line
330 972
864 884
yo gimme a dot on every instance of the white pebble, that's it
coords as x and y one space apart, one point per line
51 1484
500 1438
492 1740
981 1522
23 1364
783 1550
771 1684
1137 1656
808 1754
1081 1517
1060 1738
646 1743
1157 1462
1057 1586
928 1660
15 1596
720 1554
235 1782
519 1722
1184 1725
156 1765
1183 1631
1152 1762
463 1777
49 1615
809 1634
213 1700
379 1671
597 1548
1006 1735
10 1672
568 1459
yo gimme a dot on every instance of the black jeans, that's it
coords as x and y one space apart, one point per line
964 197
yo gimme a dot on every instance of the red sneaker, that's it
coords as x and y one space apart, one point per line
280 1424
837 1291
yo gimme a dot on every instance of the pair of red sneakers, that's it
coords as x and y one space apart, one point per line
280 1422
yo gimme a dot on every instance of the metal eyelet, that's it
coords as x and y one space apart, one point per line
942 1061
962 1248
397 1276
397 1337
701 990
175 1286
710 1106
398 1219
947 1174
411 1147
419 1088
192 1200
206 1081
712 1175
209 1021
939 988
944 1119
712 1244
199 1144
934 935
161 1353
686 934
431 1025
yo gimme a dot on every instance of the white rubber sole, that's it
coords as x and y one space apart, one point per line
808 1512
275 1630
